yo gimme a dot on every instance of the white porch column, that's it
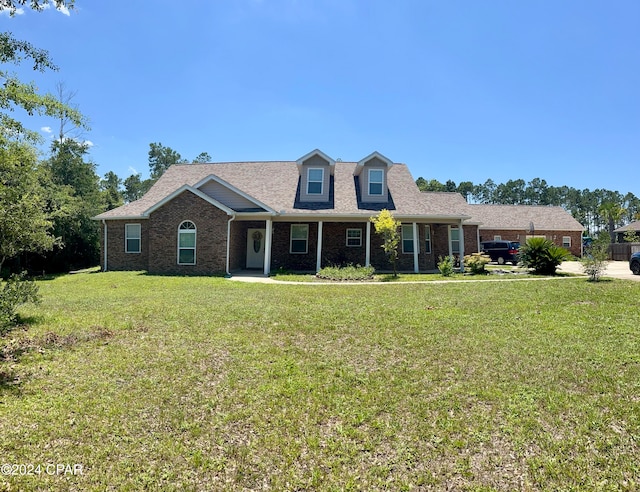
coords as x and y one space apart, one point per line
461 233
416 248
267 246
367 248
319 248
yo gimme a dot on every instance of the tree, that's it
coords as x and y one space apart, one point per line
612 213
162 158
389 228
110 186
25 224
202 158
13 5
594 262
72 174
16 94
465 188
135 187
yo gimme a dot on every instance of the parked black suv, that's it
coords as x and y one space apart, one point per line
501 251
634 263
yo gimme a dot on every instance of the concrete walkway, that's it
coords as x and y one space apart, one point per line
615 269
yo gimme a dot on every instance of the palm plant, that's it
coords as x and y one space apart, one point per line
542 256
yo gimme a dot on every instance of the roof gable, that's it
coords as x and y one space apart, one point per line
193 190
229 195
375 158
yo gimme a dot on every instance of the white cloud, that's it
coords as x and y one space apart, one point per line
46 129
88 143
133 170
19 11
63 10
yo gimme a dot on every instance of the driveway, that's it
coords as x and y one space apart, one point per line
615 269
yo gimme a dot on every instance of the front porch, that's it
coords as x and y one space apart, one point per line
267 245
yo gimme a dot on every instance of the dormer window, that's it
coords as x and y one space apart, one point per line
315 180
372 172
376 179
316 177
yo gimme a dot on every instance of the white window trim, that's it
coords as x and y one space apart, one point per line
451 252
291 239
497 238
321 181
359 238
381 182
127 237
406 227
566 240
195 241
427 239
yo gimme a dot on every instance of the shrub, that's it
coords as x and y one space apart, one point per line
15 291
542 256
594 262
348 272
476 262
445 265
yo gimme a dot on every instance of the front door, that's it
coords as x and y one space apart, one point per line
255 248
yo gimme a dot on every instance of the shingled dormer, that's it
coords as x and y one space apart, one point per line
316 169
372 175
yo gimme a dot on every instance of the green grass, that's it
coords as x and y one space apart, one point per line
169 383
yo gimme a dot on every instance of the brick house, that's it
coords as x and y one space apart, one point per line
520 222
204 219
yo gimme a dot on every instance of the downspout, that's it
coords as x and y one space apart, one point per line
228 273
416 249
461 247
104 223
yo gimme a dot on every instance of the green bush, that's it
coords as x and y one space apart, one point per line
15 291
542 256
476 262
348 272
594 261
445 265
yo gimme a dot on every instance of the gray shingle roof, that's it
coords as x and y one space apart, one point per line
275 185
634 226
520 217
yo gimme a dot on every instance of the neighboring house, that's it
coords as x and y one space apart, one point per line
299 215
633 227
520 222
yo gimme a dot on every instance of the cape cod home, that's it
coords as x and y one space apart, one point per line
302 215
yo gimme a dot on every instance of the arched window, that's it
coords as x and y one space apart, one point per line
187 243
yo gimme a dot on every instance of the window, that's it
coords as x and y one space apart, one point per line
566 242
407 239
315 179
299 238
497 238
354 237
132 238
187 243
427 239
376 177
454 240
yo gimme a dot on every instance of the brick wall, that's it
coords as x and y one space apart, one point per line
280 255
211 241
117 258
554 236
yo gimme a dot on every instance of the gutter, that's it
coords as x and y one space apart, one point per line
104 223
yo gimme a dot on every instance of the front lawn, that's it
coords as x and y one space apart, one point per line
169 383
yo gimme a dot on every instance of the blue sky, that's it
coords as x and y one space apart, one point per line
464 90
